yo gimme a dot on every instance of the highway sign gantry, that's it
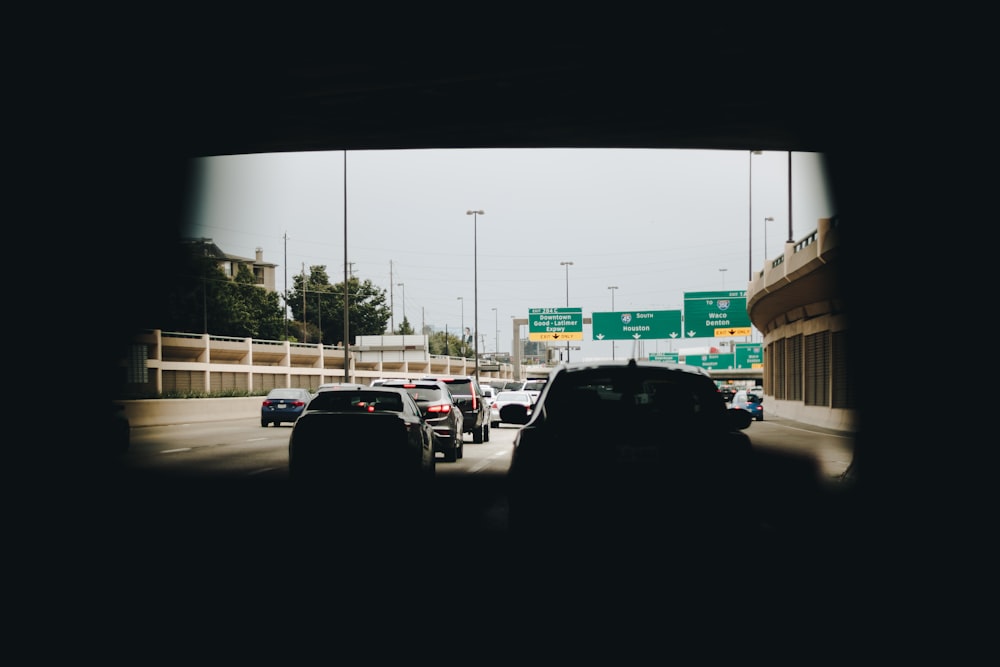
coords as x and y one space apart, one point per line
555 324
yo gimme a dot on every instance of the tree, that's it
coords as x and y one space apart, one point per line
405 329
320 305
204 300
195 302
253 311
438 342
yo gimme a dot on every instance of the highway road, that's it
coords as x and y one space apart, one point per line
241 470
197 531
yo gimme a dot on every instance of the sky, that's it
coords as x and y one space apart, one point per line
653 223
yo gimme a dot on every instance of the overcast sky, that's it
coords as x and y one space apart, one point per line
655 223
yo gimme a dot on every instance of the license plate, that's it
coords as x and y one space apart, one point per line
281 406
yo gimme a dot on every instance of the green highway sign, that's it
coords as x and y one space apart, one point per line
555 324
664 356
749 355
636 324
726 361
716 314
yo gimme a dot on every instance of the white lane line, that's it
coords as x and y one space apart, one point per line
174 451
806 430
486 462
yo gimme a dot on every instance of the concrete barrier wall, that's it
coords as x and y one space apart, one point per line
164 411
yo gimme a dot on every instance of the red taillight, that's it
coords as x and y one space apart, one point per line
445 409
266 403
298 404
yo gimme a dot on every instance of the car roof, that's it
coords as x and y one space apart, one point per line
652 366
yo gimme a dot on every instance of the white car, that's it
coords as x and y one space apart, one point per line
534 387
506 398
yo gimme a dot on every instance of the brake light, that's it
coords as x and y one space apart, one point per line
439 408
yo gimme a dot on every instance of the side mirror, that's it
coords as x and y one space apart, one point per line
739 418
513 413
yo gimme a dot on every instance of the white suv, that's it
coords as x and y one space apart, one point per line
534 387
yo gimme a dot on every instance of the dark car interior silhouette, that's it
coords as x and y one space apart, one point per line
120 182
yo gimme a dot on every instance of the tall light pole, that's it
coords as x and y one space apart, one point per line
766 220
791 239
496 332
567 265
750 213
723 271
462 335
475 284
612 288
404 304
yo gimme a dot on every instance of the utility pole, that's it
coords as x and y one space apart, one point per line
284 297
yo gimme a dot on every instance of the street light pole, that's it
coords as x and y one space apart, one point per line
750 213
567 265
404 304
496 331
723 271
613 288
462 334
766 220
475 284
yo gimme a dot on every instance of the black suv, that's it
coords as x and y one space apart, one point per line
470 400
439 409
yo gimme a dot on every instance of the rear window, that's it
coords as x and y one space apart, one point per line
460 386
285 393
428 393
352 401
657 396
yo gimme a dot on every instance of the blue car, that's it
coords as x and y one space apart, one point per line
284 405
750 401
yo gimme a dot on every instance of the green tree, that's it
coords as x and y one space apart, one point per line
438 342
197 299
313 300
405 328
204 300
253 312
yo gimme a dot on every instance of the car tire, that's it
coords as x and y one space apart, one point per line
494 424
263 423
486 432
460 448
477 435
